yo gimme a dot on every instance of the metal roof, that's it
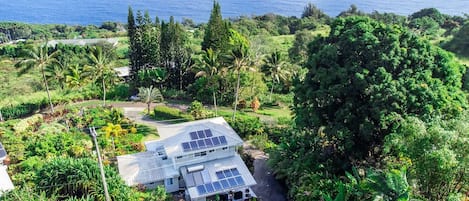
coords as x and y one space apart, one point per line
209 181
144 167
173 136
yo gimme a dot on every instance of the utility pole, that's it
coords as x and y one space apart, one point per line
100 163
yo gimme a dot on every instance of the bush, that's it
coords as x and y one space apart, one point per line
246 125
119 92
198 111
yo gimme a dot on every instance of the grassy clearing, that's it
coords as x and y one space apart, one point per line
11 84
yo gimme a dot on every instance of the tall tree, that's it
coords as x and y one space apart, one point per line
133 49
100 69
367 75
274 67
208 66
148 95
39 57
144 37
217 31
239 60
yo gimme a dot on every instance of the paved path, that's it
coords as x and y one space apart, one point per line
267 188
136 114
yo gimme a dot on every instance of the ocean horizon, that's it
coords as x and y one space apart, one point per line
84 12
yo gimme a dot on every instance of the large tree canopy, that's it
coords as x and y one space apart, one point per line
365 76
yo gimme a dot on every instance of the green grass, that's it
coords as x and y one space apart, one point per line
464 60
11 84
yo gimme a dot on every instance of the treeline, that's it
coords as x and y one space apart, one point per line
12 31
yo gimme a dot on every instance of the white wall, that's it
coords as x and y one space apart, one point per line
171 185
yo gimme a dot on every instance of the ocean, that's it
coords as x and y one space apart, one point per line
83 12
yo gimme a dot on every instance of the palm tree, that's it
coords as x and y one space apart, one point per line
148 95
100 70
274 67
38 57
58 72
239 62
209 66
75 77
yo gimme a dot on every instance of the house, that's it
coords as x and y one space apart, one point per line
5 181
198 157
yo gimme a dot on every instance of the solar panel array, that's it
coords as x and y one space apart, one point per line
203 139
227 179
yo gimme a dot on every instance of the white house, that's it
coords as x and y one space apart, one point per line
5 181
197 157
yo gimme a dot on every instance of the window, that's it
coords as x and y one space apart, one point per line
169 181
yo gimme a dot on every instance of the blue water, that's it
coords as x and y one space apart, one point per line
97 11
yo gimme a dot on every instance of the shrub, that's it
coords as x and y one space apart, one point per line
119 92
197 110
246 125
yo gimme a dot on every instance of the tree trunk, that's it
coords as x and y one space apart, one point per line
104 93
180 78
236 96
214 103
148 107
271 91
1 116
47 89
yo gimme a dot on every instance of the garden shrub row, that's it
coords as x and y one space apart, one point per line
27 105
164 113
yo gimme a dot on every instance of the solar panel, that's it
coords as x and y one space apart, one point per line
208 133
224 183
223 140
208 143
217 186
194 145
201 189
201 134
235 172
193 135
240 180
221 185
215 141
232 182
201 140
227 173
209 187
220 175
201 143
186 146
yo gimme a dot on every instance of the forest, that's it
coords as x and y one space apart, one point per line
359 106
